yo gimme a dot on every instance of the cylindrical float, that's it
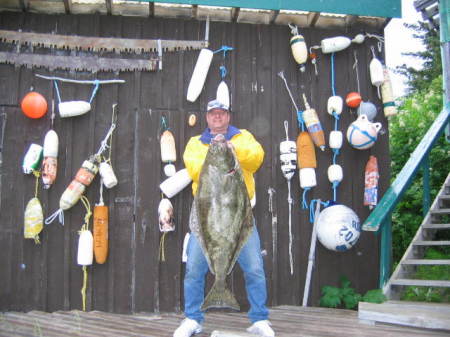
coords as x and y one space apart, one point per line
199 74
73 108
223 94
387 95
171 186
50 163
108 176
32 160
334 44
100 229
85 248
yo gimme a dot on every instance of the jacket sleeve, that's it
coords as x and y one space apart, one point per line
194 157
249 151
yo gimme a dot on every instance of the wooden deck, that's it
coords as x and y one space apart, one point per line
287 321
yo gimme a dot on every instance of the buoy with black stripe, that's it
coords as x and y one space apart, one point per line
387 95
298 47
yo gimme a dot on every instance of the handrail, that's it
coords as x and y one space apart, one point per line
406 175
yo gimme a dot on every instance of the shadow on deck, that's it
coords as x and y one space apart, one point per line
287 321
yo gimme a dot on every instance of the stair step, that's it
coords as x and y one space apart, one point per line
431 243
445 196
440 211
416 314
426 262
436 226
424 283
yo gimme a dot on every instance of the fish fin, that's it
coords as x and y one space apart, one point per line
220 297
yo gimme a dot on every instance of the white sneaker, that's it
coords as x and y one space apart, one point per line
262 328
187 328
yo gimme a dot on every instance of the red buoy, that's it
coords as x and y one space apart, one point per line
34 105
353 99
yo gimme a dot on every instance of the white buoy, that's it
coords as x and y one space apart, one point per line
199 74
307 177
223 94
387 95
171 186
335 104
335 173
335 139
85 254
73 108
334 44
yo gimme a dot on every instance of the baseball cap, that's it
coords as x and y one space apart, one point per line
216 104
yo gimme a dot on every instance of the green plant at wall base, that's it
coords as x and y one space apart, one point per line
346 297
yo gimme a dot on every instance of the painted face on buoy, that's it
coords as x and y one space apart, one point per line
218 120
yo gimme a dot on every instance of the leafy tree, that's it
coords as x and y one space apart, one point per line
407 129
419 80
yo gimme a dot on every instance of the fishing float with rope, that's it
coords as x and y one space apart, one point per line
83 178
298 47
306 155
50 153
33 215
387 95
78 107
288 159
166 224
168 150
223 93
371 176
101 212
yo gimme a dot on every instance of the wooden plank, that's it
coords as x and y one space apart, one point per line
424 283
431 243
436 226
397 314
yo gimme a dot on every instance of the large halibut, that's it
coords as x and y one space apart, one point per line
221 218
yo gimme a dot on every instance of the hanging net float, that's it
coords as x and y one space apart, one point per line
362 134
50 163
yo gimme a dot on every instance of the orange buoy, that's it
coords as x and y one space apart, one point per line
100 233
353 99
34 105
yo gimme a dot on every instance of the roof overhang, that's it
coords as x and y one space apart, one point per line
303 13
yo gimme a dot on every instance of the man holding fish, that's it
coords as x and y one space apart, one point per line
221 162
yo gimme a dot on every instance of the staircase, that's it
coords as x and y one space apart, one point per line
418 314
424 238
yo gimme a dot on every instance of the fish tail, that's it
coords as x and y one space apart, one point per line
220 297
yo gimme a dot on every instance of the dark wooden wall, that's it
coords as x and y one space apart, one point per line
47 277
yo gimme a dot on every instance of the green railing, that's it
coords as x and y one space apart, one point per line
380 217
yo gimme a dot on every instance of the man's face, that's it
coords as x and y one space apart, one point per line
218 120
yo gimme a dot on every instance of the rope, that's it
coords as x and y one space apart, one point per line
334 186
335 154
332 75
312 208
225 49
304 200
355 66
291 259
85 227
36 174
53 78
57 90
94 91
281 75
301 121
223 72
58 214
161 255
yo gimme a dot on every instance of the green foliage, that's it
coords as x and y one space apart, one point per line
418 80
407 129
347 297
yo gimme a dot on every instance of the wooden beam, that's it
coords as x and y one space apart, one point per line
24 5
68 6
274 16
108 4
235 13
195 11
151 9
312 18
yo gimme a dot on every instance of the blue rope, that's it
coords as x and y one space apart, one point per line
312 208
335 154
304 201
164 123
301 121
332 75
94 91
336 120
224 49
223 72
335 185
57 91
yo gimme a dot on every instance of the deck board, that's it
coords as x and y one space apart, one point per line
287 321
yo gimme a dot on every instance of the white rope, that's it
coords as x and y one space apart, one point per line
52 78
104 144
281 74
355 66
291 259
58 214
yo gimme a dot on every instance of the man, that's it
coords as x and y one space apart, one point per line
250 155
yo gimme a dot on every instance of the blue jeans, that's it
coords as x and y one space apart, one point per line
251 263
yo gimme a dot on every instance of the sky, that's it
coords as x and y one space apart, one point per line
398 40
